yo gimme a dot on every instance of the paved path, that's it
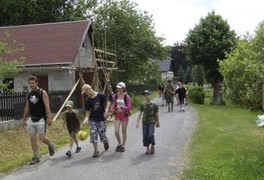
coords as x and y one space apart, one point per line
171 141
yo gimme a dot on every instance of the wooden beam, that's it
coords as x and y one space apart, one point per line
101 51
101 60
58 113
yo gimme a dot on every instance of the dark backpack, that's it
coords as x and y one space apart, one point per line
125 99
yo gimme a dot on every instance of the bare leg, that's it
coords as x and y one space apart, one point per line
34 144
124 132
117 134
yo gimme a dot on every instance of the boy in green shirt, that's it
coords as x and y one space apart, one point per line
150 118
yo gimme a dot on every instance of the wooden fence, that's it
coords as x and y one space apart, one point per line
12 104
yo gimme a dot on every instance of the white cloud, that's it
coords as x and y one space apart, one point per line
174 18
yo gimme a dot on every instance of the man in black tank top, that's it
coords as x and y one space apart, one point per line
36 115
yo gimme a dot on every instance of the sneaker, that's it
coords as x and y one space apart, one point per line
51 149
152 150
169 110
78 149
34 160
96 154
147 151
68 153
117 148
183 110
122 148
106 145
162 105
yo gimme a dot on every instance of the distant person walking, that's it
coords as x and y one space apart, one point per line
150 119
96 106
120 108
169 91
72 120
36 115
181 94
161 92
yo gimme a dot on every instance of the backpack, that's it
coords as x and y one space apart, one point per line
125 99
169 89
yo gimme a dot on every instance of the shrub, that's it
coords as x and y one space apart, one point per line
196 94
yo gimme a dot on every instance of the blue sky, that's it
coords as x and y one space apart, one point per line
174 18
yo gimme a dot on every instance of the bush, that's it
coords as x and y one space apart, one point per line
196 94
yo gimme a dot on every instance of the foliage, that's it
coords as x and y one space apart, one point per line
207 43
9 67
39 11
181 74
179 59
231 142
196 94
243 70
121 28
188 76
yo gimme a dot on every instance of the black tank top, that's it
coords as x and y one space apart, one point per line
36 103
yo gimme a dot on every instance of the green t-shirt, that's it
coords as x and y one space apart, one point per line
149 112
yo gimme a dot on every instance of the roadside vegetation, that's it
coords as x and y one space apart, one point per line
227 144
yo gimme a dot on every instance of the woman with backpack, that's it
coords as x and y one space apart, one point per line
121 109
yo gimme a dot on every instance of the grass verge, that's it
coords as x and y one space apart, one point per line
227 144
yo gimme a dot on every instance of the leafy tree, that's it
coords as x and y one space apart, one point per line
188 76
9 47
120 27
207 43
243 70
23 12
179 59
199 75
181 74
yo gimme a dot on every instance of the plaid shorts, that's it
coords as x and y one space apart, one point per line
97 128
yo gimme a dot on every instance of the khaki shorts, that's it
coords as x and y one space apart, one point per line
36 127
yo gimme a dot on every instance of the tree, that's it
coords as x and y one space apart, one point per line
206 44
23 12
120 27
181 74
188 76
9 47
243 70
179 59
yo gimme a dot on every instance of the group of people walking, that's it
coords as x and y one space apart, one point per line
169 90
97 109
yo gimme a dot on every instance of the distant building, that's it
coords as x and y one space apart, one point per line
166 69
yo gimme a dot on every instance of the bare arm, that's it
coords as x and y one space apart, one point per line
47 108
138 119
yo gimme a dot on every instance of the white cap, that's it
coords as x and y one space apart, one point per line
121 85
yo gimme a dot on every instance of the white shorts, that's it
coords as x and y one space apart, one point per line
36 127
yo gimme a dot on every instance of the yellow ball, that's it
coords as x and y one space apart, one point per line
82 135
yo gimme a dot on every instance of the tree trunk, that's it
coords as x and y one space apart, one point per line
217 98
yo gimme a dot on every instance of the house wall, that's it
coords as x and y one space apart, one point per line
57 80
61 80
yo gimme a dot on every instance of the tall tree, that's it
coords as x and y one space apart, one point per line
243 70
206 44
179 58
122 28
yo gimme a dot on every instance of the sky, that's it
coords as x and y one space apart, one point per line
174 18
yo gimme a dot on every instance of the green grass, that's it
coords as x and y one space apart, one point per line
227 144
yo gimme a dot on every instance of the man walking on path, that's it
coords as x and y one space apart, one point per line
169 92
96 106
38 110
181 95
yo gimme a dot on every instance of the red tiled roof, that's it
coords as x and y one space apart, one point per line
52 43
